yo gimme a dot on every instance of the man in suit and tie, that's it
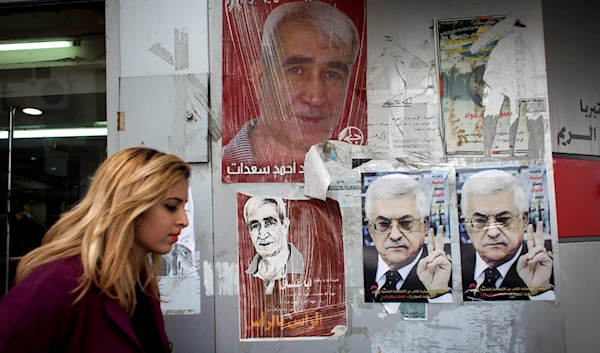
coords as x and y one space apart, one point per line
399 268
500 265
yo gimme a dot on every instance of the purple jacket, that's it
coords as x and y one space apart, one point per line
38 315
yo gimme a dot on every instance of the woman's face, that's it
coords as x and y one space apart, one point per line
158 228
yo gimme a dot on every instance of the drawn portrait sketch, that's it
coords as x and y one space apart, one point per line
291 268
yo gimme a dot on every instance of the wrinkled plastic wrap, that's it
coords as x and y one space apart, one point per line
306 297
293 76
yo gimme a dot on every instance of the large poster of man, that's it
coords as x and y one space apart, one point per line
506 247
293 76
291 268
406 237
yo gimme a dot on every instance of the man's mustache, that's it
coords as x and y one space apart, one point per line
497 240
395 243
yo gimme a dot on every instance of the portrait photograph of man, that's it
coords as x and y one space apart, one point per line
506 250
291 268
407 220
293 77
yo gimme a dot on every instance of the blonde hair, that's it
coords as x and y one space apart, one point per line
100 229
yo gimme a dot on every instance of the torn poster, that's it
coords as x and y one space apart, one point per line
491 84
406 237
291 268
293 76
505 220
180 261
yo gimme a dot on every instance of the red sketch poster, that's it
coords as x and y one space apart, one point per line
291 268
293 76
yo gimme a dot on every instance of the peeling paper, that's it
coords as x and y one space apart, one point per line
413 311
483 112
391 308
227 278
181 295
317 177
209 280
174 303
323 163
403 104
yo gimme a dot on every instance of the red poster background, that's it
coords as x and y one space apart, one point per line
577 186
316 231
242 27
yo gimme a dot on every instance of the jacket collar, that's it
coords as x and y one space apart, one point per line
117 313
119 316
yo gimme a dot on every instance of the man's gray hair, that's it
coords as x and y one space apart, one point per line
329 21
396 185
256 202
490 182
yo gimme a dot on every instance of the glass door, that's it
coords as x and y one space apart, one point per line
47 159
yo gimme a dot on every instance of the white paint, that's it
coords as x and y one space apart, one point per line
209 279
227 278
145 23
174 303
474 328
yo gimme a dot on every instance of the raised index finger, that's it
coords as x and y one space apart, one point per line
539 234
530 239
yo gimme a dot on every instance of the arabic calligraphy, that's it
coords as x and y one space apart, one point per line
592 112
278 321
237 4
565 137
241 169
406 102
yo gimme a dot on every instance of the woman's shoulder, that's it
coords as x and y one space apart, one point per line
57 279
61 270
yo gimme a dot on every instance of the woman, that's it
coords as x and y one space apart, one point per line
91 287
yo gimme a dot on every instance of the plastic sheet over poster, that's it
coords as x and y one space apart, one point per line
293 76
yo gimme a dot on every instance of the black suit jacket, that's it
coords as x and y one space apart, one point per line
511 288
411 283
